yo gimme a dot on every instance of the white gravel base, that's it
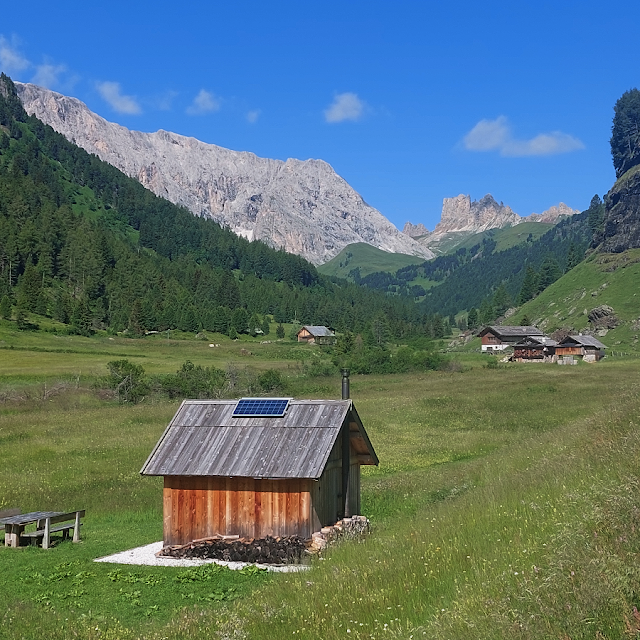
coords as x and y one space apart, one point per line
146 555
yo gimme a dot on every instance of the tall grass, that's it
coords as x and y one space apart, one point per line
505 505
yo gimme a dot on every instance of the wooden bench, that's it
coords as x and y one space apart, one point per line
44 529
6 513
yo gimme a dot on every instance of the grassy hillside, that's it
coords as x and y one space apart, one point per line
602 279
366 258
505 504
505 238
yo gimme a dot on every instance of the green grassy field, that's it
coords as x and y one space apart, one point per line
505 506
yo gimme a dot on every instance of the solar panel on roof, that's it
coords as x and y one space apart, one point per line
261 407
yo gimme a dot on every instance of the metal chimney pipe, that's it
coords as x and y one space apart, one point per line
345 384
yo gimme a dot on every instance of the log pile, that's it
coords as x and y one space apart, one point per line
345 529
269 550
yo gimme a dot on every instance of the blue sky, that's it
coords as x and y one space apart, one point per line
410 102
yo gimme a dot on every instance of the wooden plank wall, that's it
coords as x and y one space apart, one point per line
354 488
327 503
569 351
198 507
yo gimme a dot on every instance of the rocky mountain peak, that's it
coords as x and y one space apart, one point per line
302 206
461 215
415 230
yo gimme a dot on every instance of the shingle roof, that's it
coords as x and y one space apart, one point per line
204 439
506 331
543 341
318 331
585 341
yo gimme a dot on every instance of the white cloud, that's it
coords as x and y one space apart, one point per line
496 135
47 75
11 60
112 93
252 116
345 106
204 102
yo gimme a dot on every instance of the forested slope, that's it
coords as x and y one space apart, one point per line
81 242
471 275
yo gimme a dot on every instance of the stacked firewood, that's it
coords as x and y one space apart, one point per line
269 550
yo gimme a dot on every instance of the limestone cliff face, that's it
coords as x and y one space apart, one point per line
462 216
415 230
303 207
621 229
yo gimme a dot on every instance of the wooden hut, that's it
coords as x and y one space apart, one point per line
258 467
312 334
498 338
535 349
588 348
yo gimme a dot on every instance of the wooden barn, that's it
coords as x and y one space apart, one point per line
316 335
498 338
535 349
588 348
256 467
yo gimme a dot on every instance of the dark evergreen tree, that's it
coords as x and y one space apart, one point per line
595 214
5 308
29 289
625 132
573 257
81 319
486 313
529 286
136 326
472 319
280 331
550 271
254 325
501 300
380 329
240 320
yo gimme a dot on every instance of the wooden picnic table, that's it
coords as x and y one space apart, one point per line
14 526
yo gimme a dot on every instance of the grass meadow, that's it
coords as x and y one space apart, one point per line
505 505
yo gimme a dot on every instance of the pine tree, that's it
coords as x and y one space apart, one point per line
280 331
240 320
254 324
625 133
501 300
472 318
81 318
29 289
5 308
486 313
573 257
595 215
549 272
529 288
136 323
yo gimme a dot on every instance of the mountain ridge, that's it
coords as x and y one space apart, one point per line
462 217
301 206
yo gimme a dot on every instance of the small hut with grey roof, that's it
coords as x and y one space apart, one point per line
256 467
312 334
588 348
